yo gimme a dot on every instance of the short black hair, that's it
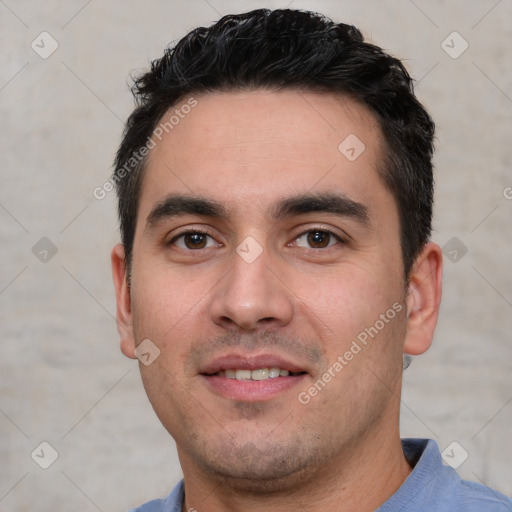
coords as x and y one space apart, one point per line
283 49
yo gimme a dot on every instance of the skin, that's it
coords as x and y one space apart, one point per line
249 151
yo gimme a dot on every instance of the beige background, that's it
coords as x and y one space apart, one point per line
62 377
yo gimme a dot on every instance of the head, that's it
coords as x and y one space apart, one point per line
275 200
285 49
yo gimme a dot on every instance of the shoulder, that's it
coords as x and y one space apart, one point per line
172 503
434 486
476 497
150 506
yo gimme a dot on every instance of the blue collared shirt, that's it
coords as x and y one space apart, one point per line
431 487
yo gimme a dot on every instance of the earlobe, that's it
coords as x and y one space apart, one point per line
123 309
423 299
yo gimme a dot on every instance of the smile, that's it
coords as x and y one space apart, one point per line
252 377
258 374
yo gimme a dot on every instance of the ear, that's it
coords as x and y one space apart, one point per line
423 299
124 311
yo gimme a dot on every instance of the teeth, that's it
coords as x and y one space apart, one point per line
243 375
259 374
273 373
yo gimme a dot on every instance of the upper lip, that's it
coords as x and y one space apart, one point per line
250 362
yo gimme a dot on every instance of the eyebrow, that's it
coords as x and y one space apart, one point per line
338 204
176 205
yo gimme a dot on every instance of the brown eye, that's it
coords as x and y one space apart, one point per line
193 240
317 239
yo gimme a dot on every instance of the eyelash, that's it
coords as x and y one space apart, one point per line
326 231
338 238
173 240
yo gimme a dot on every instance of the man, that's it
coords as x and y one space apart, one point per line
275 198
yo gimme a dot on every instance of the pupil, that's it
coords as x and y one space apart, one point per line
195 240
318 238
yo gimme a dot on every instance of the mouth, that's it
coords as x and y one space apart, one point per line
251 378
258 374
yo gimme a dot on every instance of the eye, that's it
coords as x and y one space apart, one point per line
317 239
193 240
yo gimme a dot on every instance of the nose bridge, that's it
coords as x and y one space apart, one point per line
251 277
250 294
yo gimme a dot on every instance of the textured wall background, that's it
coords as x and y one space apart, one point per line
62 378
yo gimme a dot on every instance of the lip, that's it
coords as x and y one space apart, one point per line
251 390
250 362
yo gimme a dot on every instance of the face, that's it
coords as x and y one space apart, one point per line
267 271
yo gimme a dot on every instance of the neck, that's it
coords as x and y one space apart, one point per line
361 478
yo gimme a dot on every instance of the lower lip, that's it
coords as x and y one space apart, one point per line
251 390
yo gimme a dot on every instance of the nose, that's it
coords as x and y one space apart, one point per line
251 296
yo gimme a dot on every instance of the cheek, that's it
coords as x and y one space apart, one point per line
163 304
349 298
359 315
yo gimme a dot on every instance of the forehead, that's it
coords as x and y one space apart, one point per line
247 148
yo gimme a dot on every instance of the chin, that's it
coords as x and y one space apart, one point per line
258 470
